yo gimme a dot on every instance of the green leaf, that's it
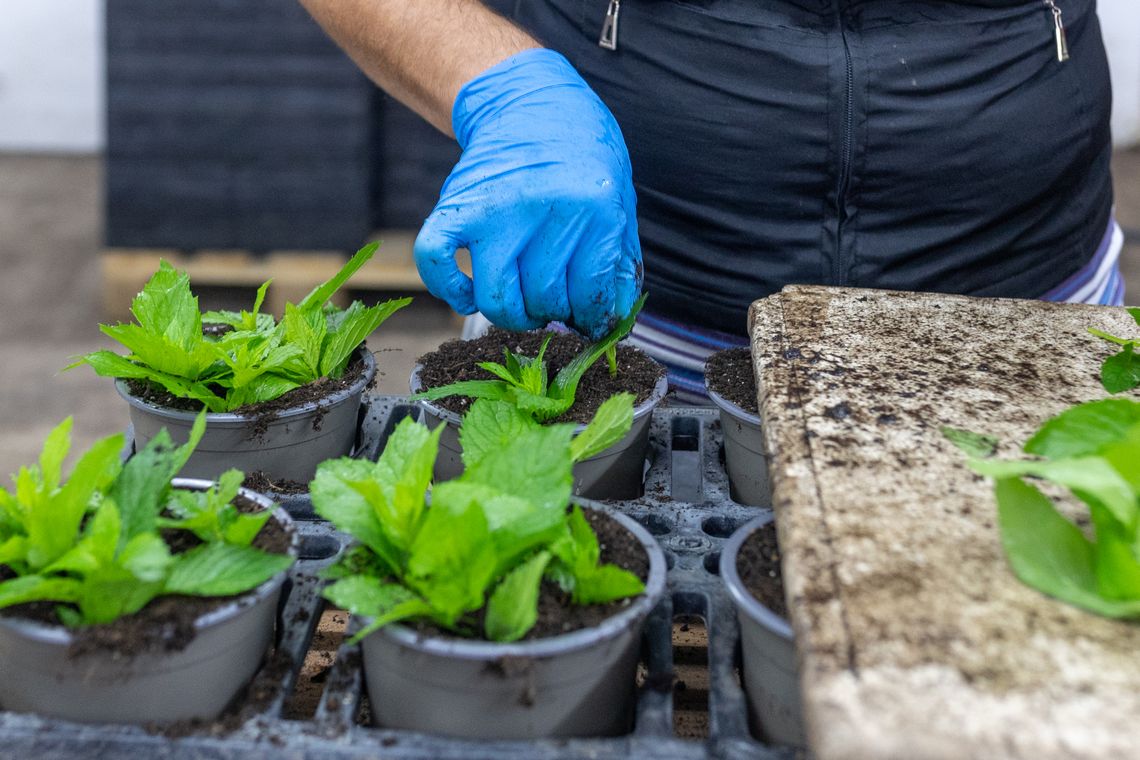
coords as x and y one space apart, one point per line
535 465
356 325
612 421
55 448
35 588
1088 477
306 330
223 570
167 307
112 592
108 364
606 584
142 487
565 383
973 444
452 560
368 597
500 371
323 292
489 425
401 478
336 500
543 408
493 390
1121 372
513 607
1048 552
1084 429
146 557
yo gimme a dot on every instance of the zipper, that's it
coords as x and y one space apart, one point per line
608 38
1058 31
847 148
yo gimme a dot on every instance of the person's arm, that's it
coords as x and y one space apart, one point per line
421 52
542 196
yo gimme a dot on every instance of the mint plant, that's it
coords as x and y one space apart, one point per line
524 381
1121 371
1093 450
259 360
486 540
93 546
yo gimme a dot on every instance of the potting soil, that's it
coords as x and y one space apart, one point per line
457 360
730 375
758 564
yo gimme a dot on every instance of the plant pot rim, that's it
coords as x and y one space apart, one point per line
455 418
611 627
744 601
237 420
62 635
735 410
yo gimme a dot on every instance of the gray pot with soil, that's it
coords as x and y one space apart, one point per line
749 565
732 388
48 670
286 444
574 684
616 473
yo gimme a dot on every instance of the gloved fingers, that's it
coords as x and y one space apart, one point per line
498 288
592 274
630 271
434 252
543 262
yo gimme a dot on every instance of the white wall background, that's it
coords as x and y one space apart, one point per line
52 88
51 75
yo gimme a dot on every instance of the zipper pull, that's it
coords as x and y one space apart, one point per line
1058 31
608 40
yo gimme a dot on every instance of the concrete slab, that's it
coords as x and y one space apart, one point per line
915 639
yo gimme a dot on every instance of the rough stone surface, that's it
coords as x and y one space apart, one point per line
915 640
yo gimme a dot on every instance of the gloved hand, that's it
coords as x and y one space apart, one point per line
543 199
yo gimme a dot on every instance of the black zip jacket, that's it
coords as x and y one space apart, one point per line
902 144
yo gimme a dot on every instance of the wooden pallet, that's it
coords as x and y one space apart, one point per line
294 273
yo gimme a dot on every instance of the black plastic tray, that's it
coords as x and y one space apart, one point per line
686 507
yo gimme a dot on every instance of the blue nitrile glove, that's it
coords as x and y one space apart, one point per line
542 197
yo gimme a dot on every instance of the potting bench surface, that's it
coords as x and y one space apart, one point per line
915 639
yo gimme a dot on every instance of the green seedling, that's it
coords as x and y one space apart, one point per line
524 381
93 545
259 360
1093 450
488 538
1121 371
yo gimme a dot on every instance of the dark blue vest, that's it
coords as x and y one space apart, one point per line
902 144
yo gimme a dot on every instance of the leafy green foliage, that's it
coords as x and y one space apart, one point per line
258 360
1093 450
524 381
93 545
1121 371
973 444
488 538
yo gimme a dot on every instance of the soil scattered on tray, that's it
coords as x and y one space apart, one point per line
456 360
166 624
729 374
758 564
259 482
556 613
265 412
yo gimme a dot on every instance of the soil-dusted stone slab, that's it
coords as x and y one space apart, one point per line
915 639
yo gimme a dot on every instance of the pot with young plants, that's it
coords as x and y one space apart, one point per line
731 386
750 568
128 595
495 608
282 396
516 368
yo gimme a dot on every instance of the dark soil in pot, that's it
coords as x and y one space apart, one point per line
758 564
167 623
456 360
729 374
556 613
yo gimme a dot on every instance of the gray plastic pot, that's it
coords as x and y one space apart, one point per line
768 653
291 447
195 683
745 456
577 684
616 473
